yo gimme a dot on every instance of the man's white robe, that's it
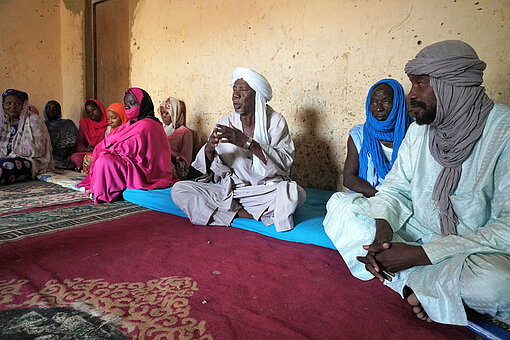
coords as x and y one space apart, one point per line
266 191
472 267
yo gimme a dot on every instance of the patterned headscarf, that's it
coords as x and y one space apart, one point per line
455 73
263 94
20 94
25 112
392 129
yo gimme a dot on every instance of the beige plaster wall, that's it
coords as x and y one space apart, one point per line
30 50
320 56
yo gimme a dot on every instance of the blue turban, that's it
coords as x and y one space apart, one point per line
392 129
23 96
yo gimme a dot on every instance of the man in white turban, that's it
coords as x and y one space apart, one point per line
247 158
438 230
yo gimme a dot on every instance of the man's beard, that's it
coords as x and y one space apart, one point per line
428 115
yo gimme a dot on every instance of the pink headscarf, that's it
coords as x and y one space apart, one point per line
94 131
133 112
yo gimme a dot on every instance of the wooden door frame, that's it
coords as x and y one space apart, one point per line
93 46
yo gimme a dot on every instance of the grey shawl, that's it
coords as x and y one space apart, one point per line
455 74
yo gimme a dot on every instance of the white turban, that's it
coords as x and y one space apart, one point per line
263 94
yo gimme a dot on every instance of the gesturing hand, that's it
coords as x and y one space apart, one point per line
229 134
211 144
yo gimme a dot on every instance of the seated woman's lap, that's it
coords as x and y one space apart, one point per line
77 158
15 169
108 180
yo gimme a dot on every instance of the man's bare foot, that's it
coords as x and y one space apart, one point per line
417 308
242 213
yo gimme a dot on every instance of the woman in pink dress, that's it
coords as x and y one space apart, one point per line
179 136
136 156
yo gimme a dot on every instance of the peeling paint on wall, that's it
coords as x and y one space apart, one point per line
74 6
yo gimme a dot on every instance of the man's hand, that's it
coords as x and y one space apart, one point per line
383 237
382 242
373 267
211 144
401 256
229 134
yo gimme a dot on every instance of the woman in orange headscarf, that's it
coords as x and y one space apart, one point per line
115 116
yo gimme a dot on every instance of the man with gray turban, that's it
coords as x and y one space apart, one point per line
438 230
247 158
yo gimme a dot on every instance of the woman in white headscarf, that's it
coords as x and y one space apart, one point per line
180 137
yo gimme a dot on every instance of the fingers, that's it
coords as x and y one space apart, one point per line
376 246
371 260
372 267
223 133
382 240
230 134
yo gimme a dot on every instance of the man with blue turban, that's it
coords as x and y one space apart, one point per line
372 147
438 229
246 163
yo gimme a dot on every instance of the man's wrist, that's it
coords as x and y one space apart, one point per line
423 259
209 154
248 143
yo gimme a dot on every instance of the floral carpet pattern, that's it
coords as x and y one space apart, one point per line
31 194
154 309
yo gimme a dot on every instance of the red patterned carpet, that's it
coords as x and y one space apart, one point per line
155 275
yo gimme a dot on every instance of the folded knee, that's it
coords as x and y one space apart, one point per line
180 189
301 196
485 281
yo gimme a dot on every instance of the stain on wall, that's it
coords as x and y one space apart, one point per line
321 57
30 49
75 7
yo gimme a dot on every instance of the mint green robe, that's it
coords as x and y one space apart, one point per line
481 202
